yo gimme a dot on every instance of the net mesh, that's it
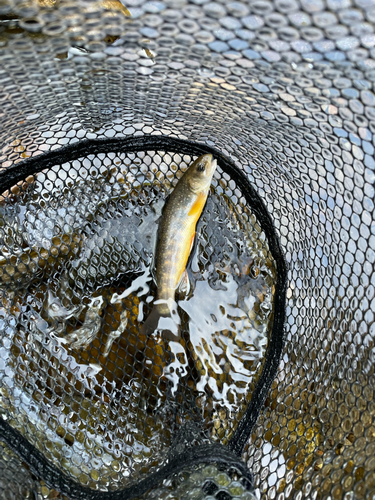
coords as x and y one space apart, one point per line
284 91
76 288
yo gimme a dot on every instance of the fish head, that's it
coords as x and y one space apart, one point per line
200 172
54 308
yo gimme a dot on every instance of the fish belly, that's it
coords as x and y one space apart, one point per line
173 254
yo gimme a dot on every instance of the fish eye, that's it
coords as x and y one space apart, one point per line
201 167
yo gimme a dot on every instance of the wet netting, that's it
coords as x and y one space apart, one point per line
267 391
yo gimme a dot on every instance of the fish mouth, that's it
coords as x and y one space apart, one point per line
211 167
210 164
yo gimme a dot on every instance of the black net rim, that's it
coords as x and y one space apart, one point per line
229 455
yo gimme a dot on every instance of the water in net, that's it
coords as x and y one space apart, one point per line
77 281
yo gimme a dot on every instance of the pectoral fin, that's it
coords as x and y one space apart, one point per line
183 287
198 205
192 242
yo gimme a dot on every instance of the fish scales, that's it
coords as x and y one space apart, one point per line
176 236
178 229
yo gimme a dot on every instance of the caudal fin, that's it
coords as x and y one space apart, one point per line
166 325
151 323
157 332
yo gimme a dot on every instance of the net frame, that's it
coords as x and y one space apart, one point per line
206 453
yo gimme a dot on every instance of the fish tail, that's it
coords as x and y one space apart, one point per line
162 321
151 323
158 333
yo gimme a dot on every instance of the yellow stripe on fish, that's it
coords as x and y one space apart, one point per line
175 239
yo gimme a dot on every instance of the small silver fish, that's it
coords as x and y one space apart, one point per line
55 309
116 333
90 328
57 313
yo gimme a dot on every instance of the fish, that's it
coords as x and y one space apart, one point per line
176 235
57 313
115 334
90 328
